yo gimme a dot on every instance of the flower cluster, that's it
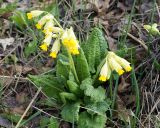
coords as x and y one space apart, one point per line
113 63
52 29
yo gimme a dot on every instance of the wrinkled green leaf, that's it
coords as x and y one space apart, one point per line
70 112
73 87
96 94
62 67
88 121
51 85
98 107
81 65
67 96
95 49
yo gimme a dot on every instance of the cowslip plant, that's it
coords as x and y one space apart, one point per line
76 84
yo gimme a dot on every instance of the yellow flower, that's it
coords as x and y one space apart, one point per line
52 29
152 29
55 49
69 40
124 63
44 47
43 20
33 14
46 42
105 72
48 26
114 64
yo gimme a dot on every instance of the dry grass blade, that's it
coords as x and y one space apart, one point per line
30 104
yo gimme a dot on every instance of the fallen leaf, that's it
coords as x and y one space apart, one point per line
18 110
21 97
123 85
123 113
99 6
112 43
6 42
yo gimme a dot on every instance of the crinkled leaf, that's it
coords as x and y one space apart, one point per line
96 94
67 96
71 76
51 85
98 107
73 87
95 49
70 112
81 65
62 67
91 121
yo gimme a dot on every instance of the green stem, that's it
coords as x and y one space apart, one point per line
110 86
72 66
115 93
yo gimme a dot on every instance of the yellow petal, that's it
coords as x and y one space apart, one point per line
120 72
103 78
114 64
38 26
124 63
105 72
128 68
55 48
44 47
29 16
74 51
53 54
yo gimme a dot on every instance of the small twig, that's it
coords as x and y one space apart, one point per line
139 41
41 110
13 77
19 122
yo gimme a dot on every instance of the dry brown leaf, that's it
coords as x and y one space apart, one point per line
123 113
23 69
21 97
112 43
123 85
6 42
100 6
18 110
5 74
